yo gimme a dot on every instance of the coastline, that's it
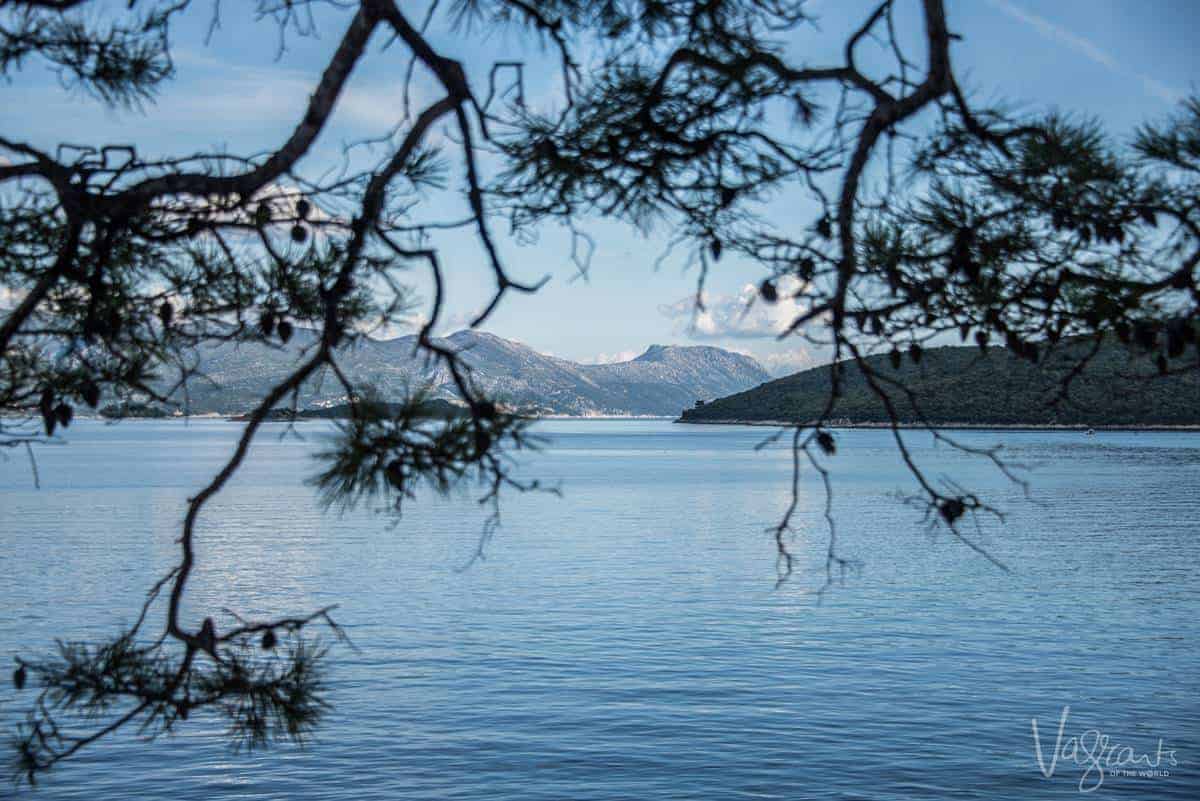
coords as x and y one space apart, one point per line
952 426
734 422
555 417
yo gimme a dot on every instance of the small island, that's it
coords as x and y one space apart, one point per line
432 408
133 410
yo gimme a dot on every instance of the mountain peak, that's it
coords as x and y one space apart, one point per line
474 339
474 333
653 353
663 350
662 381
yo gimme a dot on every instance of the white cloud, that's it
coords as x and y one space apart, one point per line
743 315
612 358
782 363
1086 48
448 323
786 363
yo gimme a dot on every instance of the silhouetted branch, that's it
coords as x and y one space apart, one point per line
1031 231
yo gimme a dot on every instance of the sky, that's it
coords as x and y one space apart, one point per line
1121 61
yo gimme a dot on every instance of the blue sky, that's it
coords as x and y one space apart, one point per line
1123 61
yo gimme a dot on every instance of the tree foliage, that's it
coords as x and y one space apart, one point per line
935 216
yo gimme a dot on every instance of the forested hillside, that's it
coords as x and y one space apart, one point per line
965 385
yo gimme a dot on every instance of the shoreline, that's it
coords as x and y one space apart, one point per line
240 418
1149 427
954 426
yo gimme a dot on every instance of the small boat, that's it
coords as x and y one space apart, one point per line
1091 432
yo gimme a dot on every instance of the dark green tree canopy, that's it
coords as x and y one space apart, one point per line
938 217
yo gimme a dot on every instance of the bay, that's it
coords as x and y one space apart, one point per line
627 640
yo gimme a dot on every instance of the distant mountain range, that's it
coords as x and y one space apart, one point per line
662 381
961 385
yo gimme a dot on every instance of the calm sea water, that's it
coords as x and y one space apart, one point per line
626 641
